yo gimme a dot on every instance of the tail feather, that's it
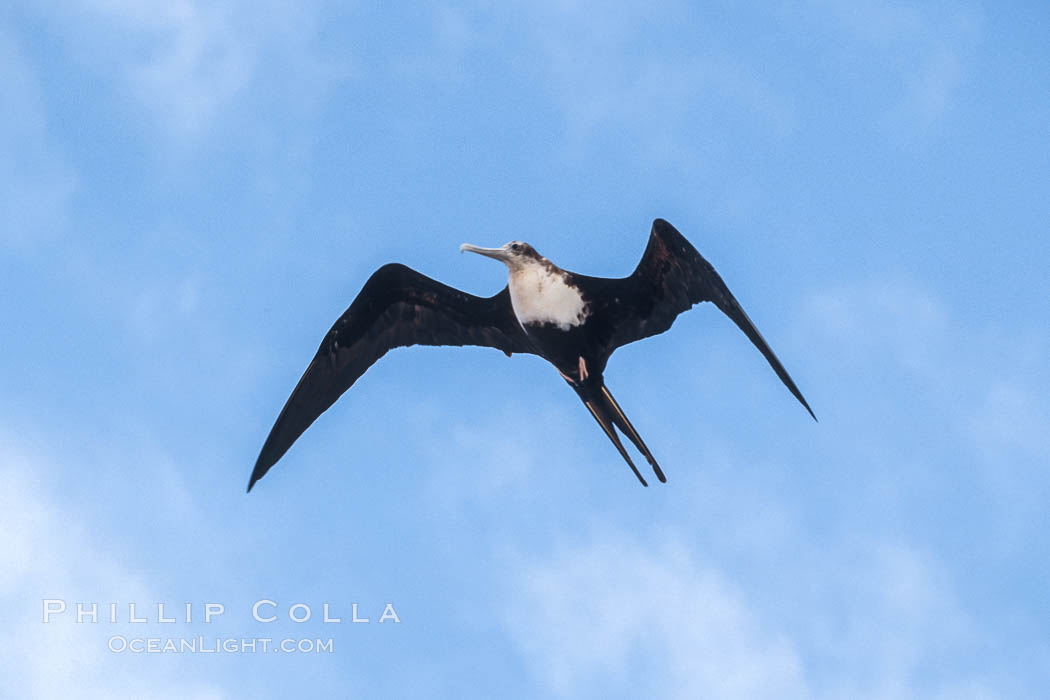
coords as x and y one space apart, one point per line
602 416
600 402
624 424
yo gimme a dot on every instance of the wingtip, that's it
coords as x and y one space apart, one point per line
256 475
790 384
662 225
810 410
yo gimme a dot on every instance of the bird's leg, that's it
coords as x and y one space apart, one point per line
581 369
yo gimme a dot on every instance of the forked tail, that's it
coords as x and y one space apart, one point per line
607 412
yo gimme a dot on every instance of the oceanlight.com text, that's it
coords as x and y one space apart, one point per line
120 644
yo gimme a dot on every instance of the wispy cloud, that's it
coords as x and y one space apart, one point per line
50 552
164 302
766 603
190 63
620 68
978 390
898 321
618 615
972 364
926 47
35 181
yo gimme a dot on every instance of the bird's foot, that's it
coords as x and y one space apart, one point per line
583 369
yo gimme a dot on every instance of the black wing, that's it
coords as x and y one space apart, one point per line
671 277
397 307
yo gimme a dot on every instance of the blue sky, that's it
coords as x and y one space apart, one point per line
192 192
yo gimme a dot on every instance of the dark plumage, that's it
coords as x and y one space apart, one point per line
574 321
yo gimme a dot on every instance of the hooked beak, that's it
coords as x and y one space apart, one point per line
495 253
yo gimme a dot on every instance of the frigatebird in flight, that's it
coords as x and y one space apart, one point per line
573 321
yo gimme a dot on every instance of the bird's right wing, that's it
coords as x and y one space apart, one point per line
670 278
397 307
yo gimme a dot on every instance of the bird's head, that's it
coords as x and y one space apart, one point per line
515 255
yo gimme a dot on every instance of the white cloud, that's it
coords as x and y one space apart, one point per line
35 183
875 321
987 376
1012 419
49 553
747 595
616 615
886 624
931 87
610 68
927 47
952 403
163 302
876 20
513 439
189 63
203 61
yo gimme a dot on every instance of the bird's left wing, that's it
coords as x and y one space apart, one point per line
670 278
397 307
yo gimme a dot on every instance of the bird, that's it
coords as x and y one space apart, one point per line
573 321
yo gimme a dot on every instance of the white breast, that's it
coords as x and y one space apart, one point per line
540 295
